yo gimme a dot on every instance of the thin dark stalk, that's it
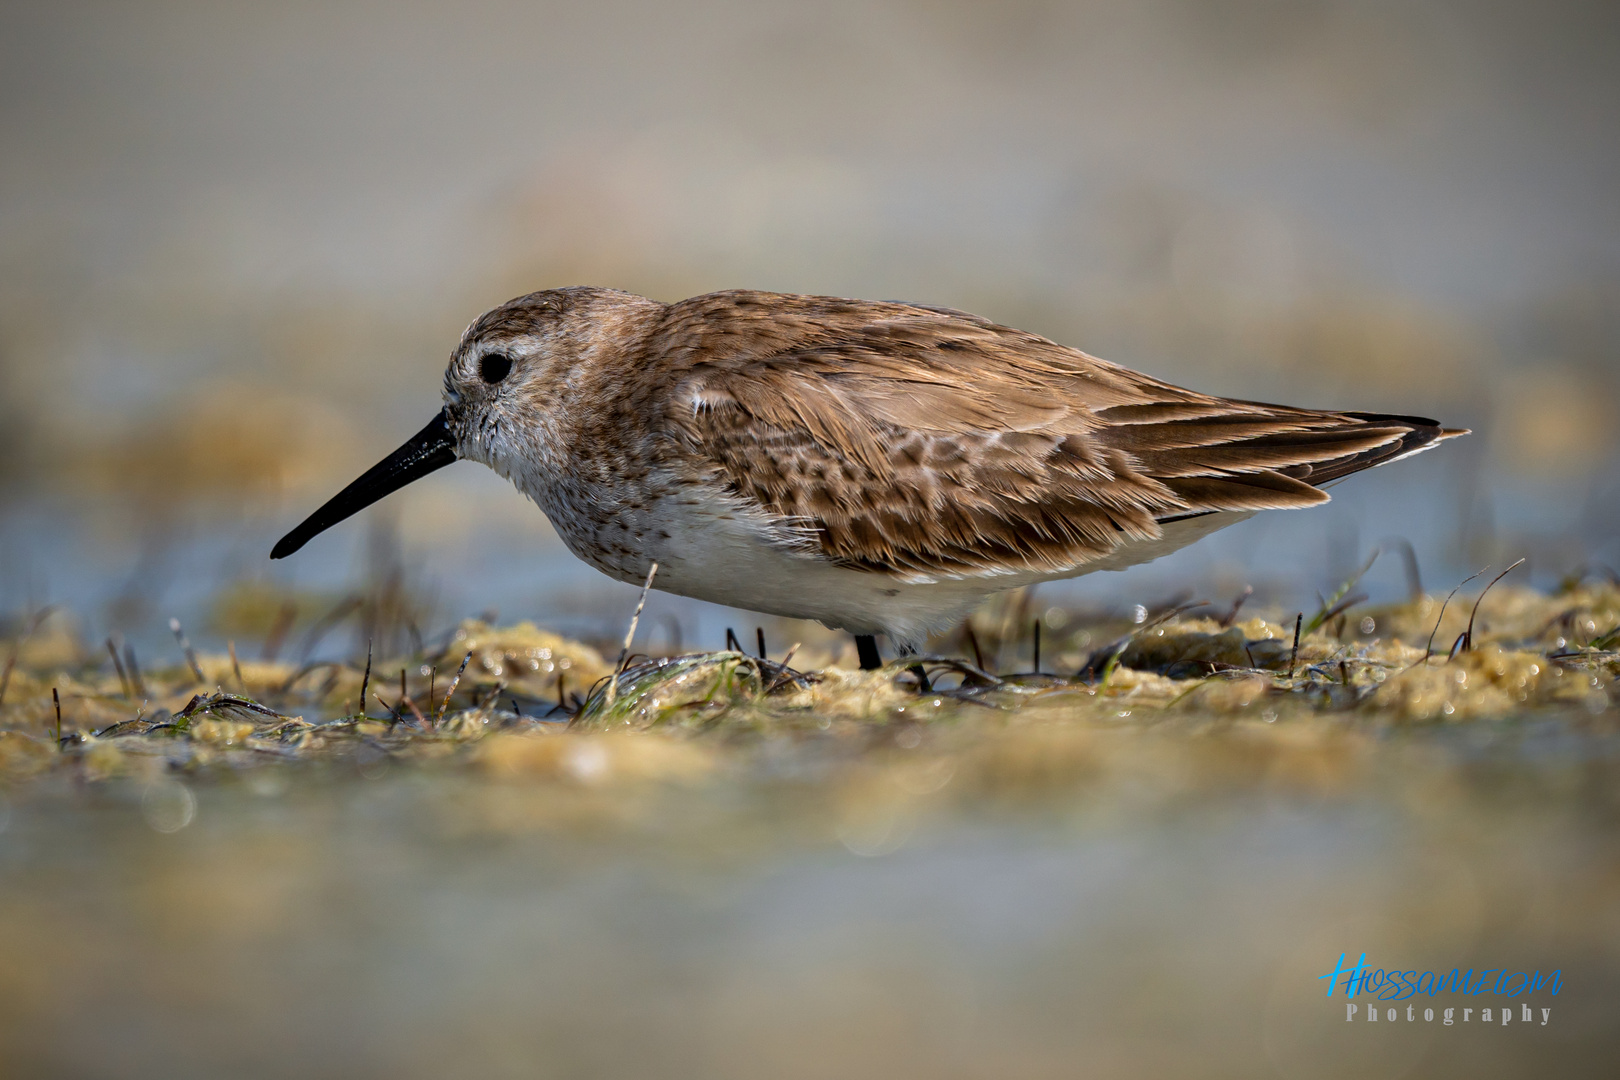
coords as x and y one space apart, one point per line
344 608
185 647
489 699
1037 646
784 672
448 694
34 623
118 666
759 634
292 680
1338 610
732 644
57 701
278 631
973 643
1293 657
1237 605
1409 559
630 636
410 703
1428 649
1468 635
365 680
416 637
1332 606
134 666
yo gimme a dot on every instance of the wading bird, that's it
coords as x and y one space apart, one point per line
879 467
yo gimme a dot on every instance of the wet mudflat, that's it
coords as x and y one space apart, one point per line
738 867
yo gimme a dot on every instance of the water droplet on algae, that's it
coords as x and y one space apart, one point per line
168 806
587 762
875 831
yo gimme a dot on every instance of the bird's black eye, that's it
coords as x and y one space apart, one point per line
494 366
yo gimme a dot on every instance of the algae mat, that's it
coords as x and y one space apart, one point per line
1151 864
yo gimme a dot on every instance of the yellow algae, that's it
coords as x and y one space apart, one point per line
1144 686
843 694
1172 676
463 725
1507 613
372 729
1484 682
258 678
1204 643
23 755
1230 695
102 759
1164 647
524 657
216 732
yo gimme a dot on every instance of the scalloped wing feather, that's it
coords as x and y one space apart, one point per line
924 443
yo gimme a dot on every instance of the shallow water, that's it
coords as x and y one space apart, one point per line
1152 915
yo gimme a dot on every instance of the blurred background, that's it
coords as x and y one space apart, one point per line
239 242
237 245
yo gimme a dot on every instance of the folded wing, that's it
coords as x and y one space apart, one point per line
929 443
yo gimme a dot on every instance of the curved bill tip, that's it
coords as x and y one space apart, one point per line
429 450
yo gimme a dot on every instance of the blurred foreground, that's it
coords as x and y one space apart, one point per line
737 867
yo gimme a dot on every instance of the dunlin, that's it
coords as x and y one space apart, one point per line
879 467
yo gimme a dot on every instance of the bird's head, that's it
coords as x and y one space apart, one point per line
510 365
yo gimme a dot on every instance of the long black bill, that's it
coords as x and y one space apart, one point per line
429 450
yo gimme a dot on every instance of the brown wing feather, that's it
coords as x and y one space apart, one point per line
921 441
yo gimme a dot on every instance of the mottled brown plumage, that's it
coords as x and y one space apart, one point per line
926 440
878 466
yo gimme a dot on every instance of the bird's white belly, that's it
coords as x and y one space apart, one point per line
707 549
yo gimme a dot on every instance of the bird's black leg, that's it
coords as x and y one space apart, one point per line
923 686
866 649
